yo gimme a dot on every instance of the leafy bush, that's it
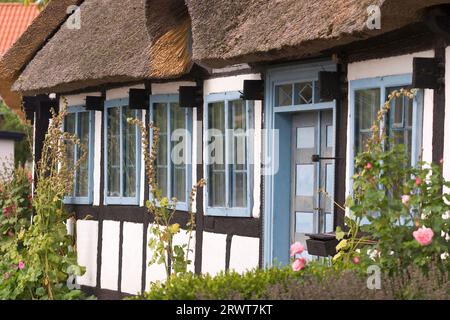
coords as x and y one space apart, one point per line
316 282
406 212
15 203
40 258
253 284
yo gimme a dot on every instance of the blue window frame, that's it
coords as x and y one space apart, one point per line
403 122
122 150
80 122
174 160
228 155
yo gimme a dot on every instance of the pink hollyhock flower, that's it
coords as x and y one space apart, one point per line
424 236
296 248
418 181
6 275
21 265
299 264
405 199
356 260
368 166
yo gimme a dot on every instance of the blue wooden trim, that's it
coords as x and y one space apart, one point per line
89 199
276 216
168 99
228 211
121 103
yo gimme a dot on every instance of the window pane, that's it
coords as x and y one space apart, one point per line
81 189
216 153
69 126
367 104
303 93
178 155
129 136
160 118
238 168
283 95
113 152
400 121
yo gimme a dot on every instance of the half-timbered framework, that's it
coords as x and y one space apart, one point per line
303 80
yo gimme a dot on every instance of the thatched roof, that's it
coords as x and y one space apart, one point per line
228 31
113 45
23 50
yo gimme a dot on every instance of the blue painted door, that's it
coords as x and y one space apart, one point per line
312 182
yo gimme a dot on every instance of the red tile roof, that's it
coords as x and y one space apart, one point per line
14 20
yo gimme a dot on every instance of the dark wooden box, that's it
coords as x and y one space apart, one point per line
322 245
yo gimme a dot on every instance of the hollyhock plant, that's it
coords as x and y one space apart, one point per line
299 264
21 265
296 248
424 236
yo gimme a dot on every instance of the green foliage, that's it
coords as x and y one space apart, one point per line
317 281
174 257
396 199
41 258
250 285
11 122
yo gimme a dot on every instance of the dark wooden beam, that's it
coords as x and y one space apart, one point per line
439 108
341 143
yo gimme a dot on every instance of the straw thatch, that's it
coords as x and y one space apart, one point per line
228 31
23 50
113 45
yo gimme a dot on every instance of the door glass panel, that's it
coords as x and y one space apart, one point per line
305 180
305 137
330 137
304 222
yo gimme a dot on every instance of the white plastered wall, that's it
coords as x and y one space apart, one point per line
132 257
6 155
110 255
87 239
397 65
213 252
244 253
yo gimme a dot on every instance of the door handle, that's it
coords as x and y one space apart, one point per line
317 158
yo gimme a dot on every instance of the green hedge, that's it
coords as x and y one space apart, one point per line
317 281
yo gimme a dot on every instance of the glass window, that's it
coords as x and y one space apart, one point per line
299 93
367 104
122 154
79 123
228 169
172 163
398 122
